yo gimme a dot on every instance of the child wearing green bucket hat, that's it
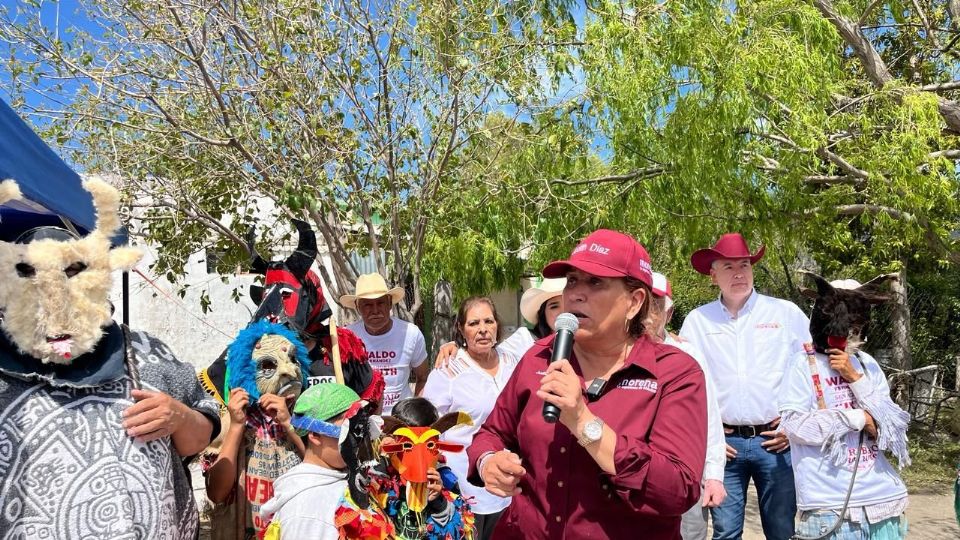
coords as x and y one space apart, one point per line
308 498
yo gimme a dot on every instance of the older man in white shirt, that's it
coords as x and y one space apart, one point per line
748 340
693 525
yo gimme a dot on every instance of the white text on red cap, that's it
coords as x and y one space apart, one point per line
594 248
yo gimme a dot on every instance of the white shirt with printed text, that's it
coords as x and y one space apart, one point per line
394 354
820 483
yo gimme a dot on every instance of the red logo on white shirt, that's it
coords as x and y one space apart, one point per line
768 325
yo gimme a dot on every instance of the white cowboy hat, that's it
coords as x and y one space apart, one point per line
534 297
370 287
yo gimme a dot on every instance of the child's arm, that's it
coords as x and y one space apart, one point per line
221 477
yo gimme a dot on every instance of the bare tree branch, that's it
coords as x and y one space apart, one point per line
949 154
843 164
874 66
941 87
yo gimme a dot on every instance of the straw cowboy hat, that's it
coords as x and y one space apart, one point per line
729 246
370 287
534 297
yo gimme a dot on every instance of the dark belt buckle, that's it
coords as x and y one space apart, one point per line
748 432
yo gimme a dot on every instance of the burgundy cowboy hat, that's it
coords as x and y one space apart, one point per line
729 246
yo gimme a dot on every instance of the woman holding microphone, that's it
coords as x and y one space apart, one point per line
626 457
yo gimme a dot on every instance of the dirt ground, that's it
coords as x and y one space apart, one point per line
930 515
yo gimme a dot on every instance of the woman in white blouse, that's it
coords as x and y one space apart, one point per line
539 306
471 382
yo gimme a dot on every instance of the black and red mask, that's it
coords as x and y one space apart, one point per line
291 293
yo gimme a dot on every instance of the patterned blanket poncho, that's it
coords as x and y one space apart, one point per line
67 467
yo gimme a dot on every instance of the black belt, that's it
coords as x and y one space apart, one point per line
748 432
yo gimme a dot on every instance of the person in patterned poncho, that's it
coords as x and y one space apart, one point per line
95 419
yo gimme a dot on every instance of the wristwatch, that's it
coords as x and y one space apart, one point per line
592 432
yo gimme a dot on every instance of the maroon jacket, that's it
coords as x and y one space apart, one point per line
656 404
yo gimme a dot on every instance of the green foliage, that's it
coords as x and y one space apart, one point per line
348 114
477 140
934 462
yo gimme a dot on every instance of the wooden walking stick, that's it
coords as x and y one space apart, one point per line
335 350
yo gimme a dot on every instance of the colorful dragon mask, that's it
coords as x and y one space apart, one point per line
841 311
54 289
416 449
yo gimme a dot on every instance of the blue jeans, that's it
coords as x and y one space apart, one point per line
772 474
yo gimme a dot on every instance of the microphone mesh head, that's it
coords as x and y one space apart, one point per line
567 321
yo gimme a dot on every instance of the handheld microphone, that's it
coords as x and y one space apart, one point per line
566 324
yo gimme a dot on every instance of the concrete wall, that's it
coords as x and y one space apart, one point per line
194 336
199 338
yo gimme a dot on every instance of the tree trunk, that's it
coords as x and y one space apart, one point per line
956 369
443 316
900 319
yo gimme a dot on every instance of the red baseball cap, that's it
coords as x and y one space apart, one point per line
729 246
606 253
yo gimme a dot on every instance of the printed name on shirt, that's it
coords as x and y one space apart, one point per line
768 325
379 356
868 455
836 381
326 379
650 385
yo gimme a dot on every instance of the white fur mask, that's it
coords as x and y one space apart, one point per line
54 294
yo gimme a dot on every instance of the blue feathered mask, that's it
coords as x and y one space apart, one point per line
267 358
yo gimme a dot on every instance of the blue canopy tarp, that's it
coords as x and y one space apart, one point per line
52 188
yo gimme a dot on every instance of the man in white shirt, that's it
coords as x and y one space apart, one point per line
394 346
693 525
748 340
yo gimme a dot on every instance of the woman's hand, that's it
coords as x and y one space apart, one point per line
562 387
447 352
501 473
434 486
237 406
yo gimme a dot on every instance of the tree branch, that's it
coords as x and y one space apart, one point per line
866 12
646 172
876 69
843 164
949 154
833 180
941 87
873 65
860 209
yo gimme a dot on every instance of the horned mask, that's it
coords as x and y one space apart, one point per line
54 293
415 449
841 311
